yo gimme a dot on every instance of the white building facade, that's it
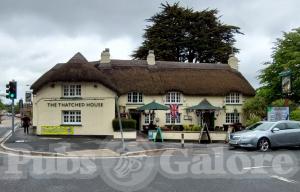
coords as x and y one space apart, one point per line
79 97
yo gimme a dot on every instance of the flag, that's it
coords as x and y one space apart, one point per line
174 111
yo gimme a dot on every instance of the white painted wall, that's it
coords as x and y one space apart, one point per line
95 120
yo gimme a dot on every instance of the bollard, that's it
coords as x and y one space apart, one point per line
182 140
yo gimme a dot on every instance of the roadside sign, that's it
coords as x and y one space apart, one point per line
28 97
278 113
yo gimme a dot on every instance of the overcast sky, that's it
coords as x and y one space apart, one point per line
37 34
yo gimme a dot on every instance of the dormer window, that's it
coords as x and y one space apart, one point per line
173 98
72 90
233 98
135 97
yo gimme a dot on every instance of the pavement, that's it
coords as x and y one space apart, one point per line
87 146
5 127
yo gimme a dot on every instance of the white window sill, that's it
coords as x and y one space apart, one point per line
71 124
233 103
71 97
230 123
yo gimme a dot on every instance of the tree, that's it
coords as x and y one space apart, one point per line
2 106
286 55
255 107
181 34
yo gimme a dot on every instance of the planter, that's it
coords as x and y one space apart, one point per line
193 135
127 135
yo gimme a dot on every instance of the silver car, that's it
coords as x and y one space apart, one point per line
264 135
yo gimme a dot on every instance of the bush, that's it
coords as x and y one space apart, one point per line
196 128
192 127
252 120
281 103
295 115
127 124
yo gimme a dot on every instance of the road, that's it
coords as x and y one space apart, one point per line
210 169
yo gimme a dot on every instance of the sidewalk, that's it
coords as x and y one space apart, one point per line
87 146
5 127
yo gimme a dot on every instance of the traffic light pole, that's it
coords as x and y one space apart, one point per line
13 120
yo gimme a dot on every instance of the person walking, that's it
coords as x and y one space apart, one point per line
26 124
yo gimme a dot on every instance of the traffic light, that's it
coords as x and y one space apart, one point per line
11 90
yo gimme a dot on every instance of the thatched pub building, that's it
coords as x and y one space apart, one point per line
79 97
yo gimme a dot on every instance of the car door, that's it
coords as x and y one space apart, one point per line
294 134
280 138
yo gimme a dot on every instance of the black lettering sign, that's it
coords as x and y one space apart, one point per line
75 105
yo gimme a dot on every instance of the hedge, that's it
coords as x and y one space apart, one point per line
295 115
127 124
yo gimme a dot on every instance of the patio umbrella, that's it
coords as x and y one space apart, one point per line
203 105
153 106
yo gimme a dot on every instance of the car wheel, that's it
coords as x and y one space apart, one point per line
263 144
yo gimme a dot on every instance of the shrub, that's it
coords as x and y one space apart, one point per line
295 115
253 119
196 128
281 103
127 124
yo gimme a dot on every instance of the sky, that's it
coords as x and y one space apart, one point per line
37 34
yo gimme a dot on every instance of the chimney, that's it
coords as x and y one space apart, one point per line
105 56
233 62
151 58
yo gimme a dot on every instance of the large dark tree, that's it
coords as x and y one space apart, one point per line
181 34
286 55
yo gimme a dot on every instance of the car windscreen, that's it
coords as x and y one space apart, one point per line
261 126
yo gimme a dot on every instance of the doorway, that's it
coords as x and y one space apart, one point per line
136 115
209 119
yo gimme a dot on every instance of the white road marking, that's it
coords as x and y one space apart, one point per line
257 167
200 154
284 179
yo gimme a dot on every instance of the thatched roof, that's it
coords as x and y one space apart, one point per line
123 76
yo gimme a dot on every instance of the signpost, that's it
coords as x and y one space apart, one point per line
278 113
28 97
286 84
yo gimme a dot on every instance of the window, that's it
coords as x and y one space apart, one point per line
135 97
293 125
149 118
233 98
232 117
72 90
173 97
170 120
71 117
281 126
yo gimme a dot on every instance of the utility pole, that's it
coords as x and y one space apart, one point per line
120 124
13 120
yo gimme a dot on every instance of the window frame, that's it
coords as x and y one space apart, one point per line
70 114
71 90
147 120
233 98
171 121
173 97
233 118
138 97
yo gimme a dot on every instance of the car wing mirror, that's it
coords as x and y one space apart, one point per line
275 129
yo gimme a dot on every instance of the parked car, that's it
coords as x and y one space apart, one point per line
264 135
